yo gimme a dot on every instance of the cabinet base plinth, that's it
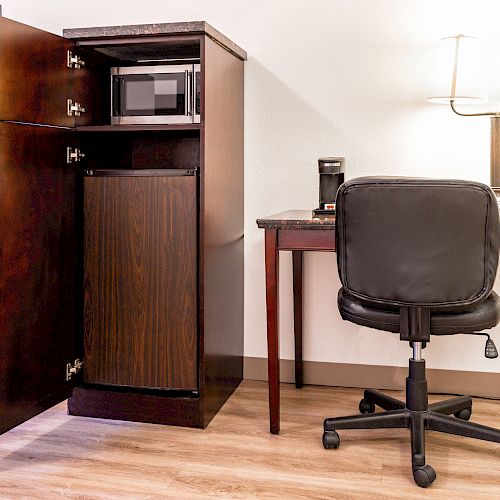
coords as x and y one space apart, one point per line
153 409
136 407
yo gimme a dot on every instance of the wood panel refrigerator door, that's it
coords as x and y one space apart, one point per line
38 270
34 78
140 281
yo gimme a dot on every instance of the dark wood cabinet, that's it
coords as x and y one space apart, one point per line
121 278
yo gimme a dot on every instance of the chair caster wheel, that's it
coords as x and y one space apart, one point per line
331 440
424 475
366 407
464 414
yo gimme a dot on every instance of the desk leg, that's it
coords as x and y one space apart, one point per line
297 256
273 363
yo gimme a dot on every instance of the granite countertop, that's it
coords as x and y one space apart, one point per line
296 219
184 28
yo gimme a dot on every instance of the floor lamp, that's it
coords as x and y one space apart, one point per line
459 79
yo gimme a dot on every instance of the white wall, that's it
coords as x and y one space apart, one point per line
328 77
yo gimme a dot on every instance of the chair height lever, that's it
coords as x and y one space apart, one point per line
490 349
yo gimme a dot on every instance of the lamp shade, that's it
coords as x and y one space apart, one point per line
459 73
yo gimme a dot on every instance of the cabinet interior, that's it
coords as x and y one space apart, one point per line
93 83
132 147
140 149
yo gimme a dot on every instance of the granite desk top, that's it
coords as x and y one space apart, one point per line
296 219
184 28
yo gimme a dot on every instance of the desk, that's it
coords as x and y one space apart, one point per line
297 231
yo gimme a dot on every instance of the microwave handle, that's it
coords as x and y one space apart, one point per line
188 106
195 93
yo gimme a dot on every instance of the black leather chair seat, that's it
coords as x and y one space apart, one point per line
472 319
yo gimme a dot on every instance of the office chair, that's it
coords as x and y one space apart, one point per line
417 257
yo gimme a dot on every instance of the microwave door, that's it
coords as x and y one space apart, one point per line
150 95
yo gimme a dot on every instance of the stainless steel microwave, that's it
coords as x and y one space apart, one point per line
164 94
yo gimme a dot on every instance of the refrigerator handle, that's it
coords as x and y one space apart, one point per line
160 172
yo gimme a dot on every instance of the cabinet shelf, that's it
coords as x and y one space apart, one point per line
137 128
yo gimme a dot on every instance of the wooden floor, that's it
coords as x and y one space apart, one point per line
56 456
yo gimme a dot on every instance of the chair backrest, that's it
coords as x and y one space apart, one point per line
417 242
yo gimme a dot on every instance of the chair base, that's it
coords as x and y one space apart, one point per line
435 417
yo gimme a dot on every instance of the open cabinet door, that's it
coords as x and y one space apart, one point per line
38 270
34 75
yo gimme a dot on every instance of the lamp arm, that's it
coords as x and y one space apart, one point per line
489 113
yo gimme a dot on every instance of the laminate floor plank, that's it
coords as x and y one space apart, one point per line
55 456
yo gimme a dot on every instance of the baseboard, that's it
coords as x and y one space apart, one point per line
481 384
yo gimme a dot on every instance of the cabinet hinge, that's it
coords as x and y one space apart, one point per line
73 368
75 108
73 155
75 61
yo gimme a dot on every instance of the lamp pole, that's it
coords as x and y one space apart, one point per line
494 144
495 153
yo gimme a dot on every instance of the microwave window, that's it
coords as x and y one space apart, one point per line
149 94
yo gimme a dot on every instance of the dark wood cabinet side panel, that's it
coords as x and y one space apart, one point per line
140 281
222 219
38 270
35 78
172 150
135 407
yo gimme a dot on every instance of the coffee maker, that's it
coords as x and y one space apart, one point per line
331 176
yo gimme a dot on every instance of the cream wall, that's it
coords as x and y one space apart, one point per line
328 77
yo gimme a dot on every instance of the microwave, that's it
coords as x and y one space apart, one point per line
163 94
